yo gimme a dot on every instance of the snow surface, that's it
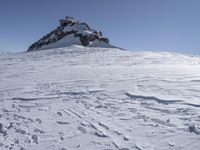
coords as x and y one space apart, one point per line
71 40
99 98
64 42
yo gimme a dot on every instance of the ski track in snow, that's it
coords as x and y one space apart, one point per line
97 98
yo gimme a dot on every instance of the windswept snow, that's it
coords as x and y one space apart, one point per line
99 98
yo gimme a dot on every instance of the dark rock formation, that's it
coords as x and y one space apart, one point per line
69 26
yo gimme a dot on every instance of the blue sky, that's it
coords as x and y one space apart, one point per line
161 25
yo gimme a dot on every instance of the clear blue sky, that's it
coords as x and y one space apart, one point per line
161 25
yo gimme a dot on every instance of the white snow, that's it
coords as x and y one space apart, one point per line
99 98
81 28
64 42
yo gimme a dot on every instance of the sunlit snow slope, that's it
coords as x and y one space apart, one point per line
98 98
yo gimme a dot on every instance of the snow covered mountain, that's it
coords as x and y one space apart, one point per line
71 32
99 98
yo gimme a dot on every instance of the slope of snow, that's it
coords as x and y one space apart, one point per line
99 98
64 42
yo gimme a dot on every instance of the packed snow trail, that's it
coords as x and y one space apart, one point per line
99 98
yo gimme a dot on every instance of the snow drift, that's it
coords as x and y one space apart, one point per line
99 98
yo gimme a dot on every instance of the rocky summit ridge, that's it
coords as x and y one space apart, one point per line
71 32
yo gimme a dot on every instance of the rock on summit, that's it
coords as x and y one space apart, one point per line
71 32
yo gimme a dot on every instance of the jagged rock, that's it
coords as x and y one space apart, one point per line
71 32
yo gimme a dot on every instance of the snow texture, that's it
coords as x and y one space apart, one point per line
99 98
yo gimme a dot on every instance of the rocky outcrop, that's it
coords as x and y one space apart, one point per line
70 32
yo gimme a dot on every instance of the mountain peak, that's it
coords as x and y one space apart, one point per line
68 20
71 32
